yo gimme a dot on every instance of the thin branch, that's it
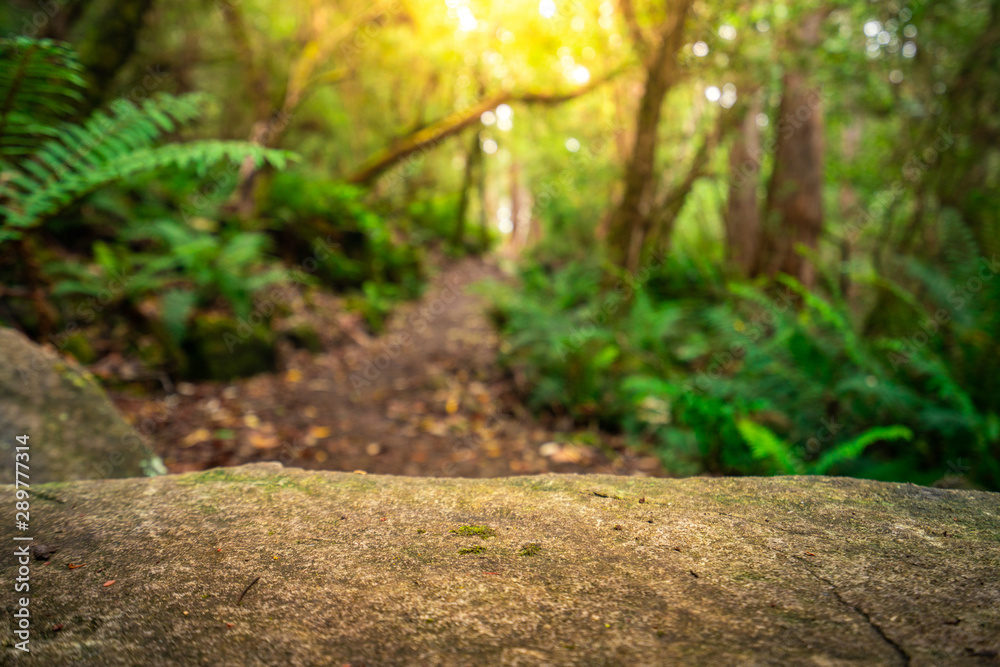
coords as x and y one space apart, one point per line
634 29
454 123
249 586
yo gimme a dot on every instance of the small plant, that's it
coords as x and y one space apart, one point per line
47 164
477 549
483 532
723 377
532 549
768 447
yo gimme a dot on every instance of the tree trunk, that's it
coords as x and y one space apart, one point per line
471 159
631 221
847 201
794 212
515 203
666 211
742 218
484 206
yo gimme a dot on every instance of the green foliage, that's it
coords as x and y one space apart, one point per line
41 83
432 217
766 446
183 268
741 380
364 252
48 166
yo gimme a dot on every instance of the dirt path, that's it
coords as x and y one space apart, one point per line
425 398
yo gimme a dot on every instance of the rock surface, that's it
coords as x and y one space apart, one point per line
73 429
549 570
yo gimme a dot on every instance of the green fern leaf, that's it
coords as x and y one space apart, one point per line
852 449
766 446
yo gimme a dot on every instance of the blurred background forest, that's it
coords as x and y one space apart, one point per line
716 237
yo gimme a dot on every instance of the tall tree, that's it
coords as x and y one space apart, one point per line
794 210
742 216
473 160
632 220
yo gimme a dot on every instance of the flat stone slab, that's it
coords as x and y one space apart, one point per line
357 569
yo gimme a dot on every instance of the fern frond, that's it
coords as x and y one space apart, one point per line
41 82
852 449
44 192
765 446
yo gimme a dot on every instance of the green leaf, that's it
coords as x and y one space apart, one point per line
852 449
177 307
766 446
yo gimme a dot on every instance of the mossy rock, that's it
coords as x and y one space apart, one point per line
264 565
220 347
79 346
74 431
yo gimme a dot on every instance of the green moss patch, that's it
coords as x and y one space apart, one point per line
532 549
482 531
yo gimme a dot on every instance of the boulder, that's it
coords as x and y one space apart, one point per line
74 431
264 565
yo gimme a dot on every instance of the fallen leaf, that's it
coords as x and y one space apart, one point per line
108 583
263 440
569 454
318 432
73 566
549 449
293 375
195 437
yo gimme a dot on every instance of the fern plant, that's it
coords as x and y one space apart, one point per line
41 83
46 164
781 456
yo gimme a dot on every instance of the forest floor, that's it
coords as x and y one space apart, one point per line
427 397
